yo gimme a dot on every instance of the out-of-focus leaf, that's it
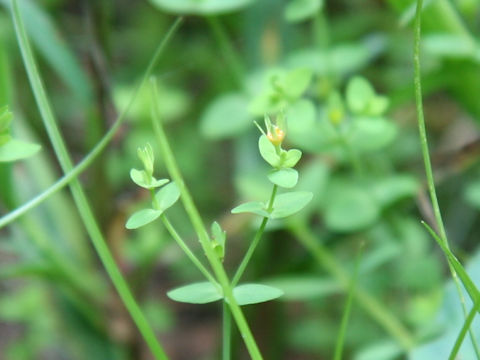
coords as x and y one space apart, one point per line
200 7
302 287
286 178
15 150
299 10
142 217
226 116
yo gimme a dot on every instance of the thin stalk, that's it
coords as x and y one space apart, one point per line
348 308
371 305
200 229
187 250
77 191
91 156
426 159
226 332
466 326
227 49
255 241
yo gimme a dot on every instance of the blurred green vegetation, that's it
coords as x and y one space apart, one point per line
342 73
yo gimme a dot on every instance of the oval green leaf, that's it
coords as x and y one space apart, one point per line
299 10
14 150
196 293
167 196
225 117
370 134
247 294
291 158
359 93
350 208
200 7
142 217
139 177
254 207
290 203
286 178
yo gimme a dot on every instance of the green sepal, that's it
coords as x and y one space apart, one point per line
218 241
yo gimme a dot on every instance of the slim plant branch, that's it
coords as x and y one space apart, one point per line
255 241
427 162
200 229
101 145
348 308
187 250
371 305
77 191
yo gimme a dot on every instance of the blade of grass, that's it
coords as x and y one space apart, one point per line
348 307
466 325
200 229
426 158
91 156
77 191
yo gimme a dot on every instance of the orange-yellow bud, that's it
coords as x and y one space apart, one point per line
277 137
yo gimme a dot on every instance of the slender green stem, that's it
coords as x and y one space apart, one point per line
77 191
200 229
371 305
226 332
426 158
87 160
187 250
227 49
466 326
348 308
255 241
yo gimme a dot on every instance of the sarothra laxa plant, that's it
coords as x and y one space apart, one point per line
164 194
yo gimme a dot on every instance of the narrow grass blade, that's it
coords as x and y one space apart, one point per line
466 326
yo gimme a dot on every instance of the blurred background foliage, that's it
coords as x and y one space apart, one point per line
342 72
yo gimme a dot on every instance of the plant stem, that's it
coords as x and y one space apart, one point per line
227 49
187 250
426 159
255 241
371 305
200 229
226 332
348 307
77 191
87 160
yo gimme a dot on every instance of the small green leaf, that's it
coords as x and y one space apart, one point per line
359 94
142 217
290 159
350 208
371 134
378 105
200 7
391 189
196 293
167 196
140 177
286 178
290 203
225 117
14 150
297 81
254 207
268 152
246 294
299 10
